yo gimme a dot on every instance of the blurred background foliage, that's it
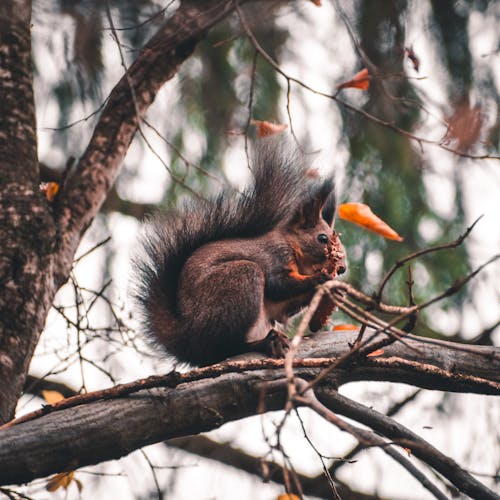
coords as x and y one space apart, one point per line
207 110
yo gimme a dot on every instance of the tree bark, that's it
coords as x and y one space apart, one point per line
39 239
118 423
27 230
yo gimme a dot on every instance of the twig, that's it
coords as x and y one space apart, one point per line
365 437
400 263
345 104
400 434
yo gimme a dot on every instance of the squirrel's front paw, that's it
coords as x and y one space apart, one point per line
274 345
323 277
278 344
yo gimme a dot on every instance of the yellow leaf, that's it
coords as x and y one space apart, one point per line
362 215
52 396
61 480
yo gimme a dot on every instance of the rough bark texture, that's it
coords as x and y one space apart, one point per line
39 241
27 231
107 429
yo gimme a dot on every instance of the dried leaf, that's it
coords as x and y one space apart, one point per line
413 58
79 484
50 189
52 396
464 126
344 326
362 215
265 128
375 353
360 80
61 480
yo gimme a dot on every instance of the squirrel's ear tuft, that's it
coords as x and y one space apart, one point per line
329 208
312 209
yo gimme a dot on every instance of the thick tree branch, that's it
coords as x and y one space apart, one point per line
367 438
128 102
399 434
86 430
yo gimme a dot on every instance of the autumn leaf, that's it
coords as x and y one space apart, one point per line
344 326
52 396
360 80
362 215
63 480
375 353
50 189
465 126
265 128
287 496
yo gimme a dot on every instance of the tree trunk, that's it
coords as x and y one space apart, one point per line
39 239
27 229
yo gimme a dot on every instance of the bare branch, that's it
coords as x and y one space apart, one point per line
99 165
345 104
399 434
366 438
425 251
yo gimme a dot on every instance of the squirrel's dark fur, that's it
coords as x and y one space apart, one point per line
215 275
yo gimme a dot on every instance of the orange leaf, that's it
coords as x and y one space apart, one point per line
376 353
267 128
61 480
360 80
316 2
362 215
52 396
50 189
344 326
287 496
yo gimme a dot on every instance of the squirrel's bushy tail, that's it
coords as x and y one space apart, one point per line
281 183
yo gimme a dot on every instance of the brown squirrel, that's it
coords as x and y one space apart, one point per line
215 276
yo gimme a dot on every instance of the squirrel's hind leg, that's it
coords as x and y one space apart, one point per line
222 304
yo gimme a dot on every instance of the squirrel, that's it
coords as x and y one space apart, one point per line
215 276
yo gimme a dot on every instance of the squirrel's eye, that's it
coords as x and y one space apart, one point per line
323 238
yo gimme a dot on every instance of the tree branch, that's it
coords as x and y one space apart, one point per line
391 429
100 426
127 104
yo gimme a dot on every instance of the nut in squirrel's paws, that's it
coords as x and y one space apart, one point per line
336 264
